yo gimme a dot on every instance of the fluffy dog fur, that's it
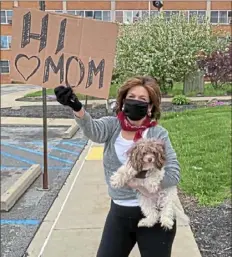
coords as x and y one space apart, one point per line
159 205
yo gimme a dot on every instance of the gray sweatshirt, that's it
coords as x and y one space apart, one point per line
106 130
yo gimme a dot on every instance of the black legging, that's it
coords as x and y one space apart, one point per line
121 233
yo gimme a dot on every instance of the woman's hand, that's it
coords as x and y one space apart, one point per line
65 96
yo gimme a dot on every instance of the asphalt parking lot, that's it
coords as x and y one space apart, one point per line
22 146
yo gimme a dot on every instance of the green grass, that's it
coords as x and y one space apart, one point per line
177 90
208 90
202 141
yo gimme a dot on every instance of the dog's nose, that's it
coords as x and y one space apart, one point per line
149 159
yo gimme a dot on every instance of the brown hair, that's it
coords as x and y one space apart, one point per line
152 87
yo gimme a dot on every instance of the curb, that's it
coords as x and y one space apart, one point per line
71 131
10 197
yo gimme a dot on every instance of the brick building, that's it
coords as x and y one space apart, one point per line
128 11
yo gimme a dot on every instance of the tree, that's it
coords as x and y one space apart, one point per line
166 49
217 66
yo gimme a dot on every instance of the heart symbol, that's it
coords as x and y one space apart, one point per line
37 65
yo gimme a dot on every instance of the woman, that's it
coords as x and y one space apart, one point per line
138 103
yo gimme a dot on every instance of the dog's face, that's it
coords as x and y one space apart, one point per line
147 154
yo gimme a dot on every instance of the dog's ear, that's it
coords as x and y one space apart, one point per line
133 155
160 154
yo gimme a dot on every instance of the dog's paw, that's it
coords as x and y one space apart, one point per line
166 223
146 223
116 180
154 188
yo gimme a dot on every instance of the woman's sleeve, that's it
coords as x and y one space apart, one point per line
97 130
172 167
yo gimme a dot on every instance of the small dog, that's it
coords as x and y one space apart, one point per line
157 205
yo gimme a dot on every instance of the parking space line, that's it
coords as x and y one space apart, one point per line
73 144
20 222
17 158
5 168
36 152
62 150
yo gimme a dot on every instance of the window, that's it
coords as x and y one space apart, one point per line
98 15
175 12
127 17
230 17
192 14
136 15
56 11
5 42
221 17
4 67
168 14
89 14
145 14
201 15
80 13
119 16
214 17
6 17
71 12
106 15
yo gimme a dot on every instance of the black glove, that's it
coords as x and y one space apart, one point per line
65 96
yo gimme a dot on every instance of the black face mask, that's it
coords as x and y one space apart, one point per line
135 109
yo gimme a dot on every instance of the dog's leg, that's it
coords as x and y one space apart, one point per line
150 220
151 184
152 181
167 211
150 212
124 174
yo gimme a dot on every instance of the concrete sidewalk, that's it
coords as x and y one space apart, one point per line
74 224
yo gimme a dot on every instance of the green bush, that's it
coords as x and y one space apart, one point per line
180 100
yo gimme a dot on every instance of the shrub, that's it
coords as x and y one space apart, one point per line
180 100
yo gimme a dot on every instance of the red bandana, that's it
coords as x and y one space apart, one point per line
127 126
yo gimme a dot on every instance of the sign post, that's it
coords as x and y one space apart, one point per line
45 134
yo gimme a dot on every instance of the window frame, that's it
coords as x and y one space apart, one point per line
5 66
219 12
77 13
7 17
8 38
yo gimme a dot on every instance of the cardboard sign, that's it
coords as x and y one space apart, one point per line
50 49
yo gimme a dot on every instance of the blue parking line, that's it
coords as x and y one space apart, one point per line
73 144
17 158
58 148
4 167
79 145
40 143
20 222
36 152
62 150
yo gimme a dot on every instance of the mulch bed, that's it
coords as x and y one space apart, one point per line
211 226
